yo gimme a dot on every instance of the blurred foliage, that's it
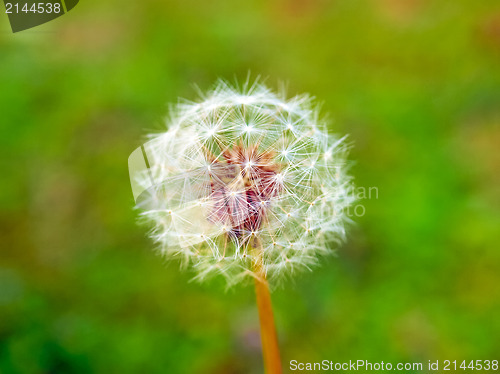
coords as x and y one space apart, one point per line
415 82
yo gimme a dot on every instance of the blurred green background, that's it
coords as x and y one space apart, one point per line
416 83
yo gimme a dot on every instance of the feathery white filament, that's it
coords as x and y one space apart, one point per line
246 174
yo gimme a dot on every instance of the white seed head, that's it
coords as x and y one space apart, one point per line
245 179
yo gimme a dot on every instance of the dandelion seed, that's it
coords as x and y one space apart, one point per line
245 184
242 169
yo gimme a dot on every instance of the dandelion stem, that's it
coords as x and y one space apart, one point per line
270 347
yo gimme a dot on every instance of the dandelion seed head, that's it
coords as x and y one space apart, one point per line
245 175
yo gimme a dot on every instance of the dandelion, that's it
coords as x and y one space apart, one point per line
245 184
